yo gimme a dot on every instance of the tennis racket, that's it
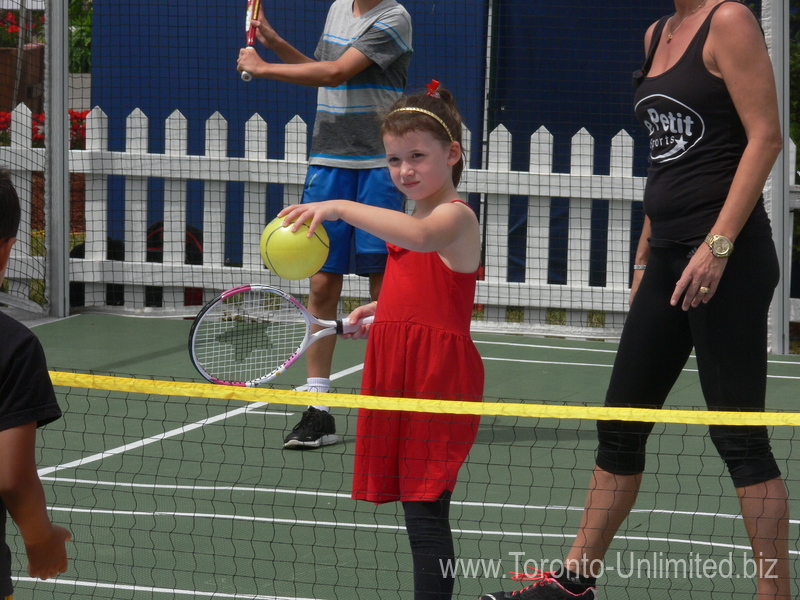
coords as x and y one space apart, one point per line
253 6
250 334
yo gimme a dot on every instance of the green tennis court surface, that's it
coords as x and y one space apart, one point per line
172 497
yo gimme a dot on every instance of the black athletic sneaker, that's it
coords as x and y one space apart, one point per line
316 428
545 588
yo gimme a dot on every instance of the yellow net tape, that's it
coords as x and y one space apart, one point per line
507 409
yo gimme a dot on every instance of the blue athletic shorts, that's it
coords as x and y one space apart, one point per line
353 250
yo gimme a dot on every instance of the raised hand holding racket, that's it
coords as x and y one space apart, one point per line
253 8
250 334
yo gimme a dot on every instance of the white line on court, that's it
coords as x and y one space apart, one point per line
178 431
153 590
545 362
579 364
295 492
147 441
788 361
335 376
542 346
380 527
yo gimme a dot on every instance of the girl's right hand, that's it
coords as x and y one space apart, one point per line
362 312
311 214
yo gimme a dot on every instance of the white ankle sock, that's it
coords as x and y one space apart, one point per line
320 385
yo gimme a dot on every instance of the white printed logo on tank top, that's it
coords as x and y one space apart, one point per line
674 128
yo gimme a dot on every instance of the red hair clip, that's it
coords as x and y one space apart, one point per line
432 87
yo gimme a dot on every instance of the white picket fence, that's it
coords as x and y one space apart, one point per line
577 304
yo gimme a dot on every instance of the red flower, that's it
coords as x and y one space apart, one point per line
10 23
10 30
77 129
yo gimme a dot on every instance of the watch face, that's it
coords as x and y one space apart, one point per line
721 246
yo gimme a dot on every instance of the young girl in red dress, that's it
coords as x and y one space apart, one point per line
419 345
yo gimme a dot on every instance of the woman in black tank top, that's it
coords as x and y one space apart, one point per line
707 100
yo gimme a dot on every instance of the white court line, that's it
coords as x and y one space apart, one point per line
153 590
148 441
546 362
543 346
614 351
335 376
578 364
294 492
315 493
176 432
379 527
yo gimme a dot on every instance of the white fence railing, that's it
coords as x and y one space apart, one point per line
574 303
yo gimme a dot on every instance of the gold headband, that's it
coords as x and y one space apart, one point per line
426 112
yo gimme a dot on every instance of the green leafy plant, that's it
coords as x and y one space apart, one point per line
80 36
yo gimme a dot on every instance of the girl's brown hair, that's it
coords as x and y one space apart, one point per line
442 104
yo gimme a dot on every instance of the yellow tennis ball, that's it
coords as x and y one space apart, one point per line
293 255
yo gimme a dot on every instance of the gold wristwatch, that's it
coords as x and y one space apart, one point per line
721 247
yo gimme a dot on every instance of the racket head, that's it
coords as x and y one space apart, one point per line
248 335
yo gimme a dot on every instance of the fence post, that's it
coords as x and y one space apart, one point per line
538 230
296 144
57 158
775 22
176 143
26 264
214 197
23 181
496 229
96 209
255 199
580 211
619 212
135 207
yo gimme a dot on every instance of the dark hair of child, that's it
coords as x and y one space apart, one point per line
441 103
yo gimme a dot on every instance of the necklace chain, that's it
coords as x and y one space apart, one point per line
671 33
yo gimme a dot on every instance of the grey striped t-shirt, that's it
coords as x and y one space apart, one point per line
346 128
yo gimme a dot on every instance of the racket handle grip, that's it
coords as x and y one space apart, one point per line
250 38
347 327
250 44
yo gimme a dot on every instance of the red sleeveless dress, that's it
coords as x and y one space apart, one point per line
419 347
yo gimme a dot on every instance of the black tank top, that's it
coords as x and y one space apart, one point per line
696 143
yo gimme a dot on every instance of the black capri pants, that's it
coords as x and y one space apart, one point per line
729 335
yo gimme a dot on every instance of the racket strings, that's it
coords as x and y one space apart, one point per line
248 336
